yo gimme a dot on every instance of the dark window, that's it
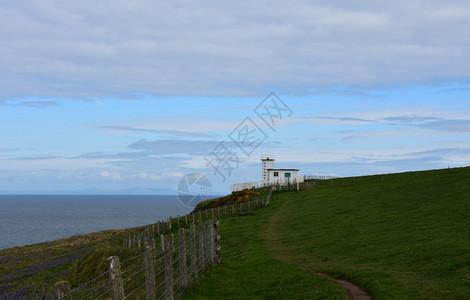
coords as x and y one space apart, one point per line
276 174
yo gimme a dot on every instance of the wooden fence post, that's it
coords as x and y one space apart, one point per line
212 238
182 258
114 268
169 292
202 260
218 259
149 272
61 289
162 241
192 251
249 206
268 198
207 244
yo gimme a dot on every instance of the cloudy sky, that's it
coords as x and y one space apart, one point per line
113 95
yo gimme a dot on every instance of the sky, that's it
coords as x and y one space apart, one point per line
134 95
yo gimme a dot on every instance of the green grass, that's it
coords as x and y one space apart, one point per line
34 269
398 236
249 271
406 237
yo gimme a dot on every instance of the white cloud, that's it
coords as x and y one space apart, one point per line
88 48
111 175
156 177
55 163
195 126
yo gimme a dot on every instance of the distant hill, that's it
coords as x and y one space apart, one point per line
129 191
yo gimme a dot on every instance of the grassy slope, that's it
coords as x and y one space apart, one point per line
406 237
32 270
248 271
400 236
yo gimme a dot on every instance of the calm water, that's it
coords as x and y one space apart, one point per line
28 220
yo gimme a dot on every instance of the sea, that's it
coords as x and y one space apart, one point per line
29 219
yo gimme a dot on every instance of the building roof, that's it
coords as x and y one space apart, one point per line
283 169
267 157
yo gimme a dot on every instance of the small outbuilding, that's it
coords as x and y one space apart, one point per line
270 175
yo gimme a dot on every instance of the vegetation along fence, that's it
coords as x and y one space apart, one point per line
167 266
162 273
144 249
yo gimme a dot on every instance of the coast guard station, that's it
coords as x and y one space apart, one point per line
271 176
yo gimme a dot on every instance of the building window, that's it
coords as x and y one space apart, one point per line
276 174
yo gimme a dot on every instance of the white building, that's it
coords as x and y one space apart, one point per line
271 176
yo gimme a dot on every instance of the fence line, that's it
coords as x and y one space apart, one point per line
163 256
151 233
168 264
163 273
196 260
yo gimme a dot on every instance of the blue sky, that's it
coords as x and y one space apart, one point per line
113 95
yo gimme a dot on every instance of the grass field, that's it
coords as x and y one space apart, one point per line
249 271
398 236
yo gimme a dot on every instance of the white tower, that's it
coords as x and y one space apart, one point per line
267 163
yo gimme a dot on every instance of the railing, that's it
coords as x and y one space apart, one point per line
320 177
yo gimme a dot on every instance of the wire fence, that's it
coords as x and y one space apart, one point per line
168 265
163 272
148 233
173 253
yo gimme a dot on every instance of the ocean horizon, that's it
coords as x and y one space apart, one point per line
32 219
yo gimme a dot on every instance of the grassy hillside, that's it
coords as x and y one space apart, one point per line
249 270
398 236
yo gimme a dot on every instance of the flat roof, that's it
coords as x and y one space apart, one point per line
283 169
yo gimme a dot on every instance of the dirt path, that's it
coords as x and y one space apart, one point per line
355 292
284 252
